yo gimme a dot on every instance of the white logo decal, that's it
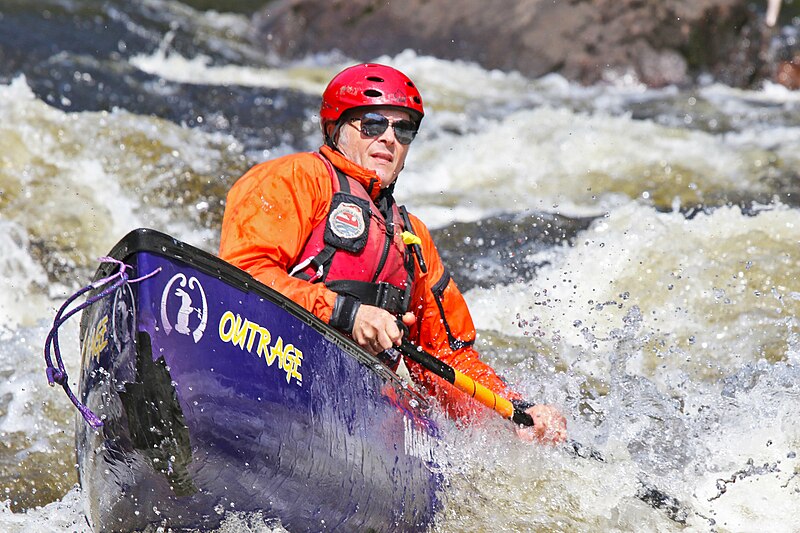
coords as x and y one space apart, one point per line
347 221
185 310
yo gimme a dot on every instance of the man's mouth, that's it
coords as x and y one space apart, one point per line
388 158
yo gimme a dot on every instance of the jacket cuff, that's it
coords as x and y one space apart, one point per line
520 415
344 312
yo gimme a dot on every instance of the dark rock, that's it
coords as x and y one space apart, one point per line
502 249
657 42
90 73
789 73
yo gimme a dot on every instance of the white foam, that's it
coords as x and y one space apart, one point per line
753 484
717 289
200 70
572 163
769 93
22 280
56 517
105 173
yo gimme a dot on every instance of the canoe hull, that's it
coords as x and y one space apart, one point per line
219 395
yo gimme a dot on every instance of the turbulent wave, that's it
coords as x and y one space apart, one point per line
713 292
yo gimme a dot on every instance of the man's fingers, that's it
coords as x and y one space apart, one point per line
385 340
375 329
395 333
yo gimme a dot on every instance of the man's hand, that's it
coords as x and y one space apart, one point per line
549 425
376 330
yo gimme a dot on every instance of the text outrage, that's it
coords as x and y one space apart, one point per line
257 340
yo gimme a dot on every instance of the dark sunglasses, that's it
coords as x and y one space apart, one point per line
374 124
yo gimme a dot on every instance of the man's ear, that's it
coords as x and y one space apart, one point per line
331 133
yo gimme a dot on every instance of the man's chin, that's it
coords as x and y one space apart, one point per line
385 176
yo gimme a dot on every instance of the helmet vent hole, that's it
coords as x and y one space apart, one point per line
417 100
375 78
372 93
410 83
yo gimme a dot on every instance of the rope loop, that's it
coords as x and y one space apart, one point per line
57 373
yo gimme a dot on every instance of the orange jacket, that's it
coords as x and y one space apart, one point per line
270 214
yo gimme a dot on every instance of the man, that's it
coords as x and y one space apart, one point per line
324 230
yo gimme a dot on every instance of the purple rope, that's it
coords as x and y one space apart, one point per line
57 373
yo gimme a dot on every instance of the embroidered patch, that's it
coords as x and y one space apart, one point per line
347 221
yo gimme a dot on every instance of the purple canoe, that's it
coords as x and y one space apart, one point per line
218 394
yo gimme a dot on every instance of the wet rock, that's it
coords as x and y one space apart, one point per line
789 73
89 73
260 117
502 249
658 43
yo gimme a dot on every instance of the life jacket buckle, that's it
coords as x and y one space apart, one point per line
318 274
389 297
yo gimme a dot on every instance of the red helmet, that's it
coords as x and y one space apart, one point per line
369 84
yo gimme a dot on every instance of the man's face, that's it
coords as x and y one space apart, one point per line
383 154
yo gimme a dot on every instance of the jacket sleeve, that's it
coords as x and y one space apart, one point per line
269 215
445 329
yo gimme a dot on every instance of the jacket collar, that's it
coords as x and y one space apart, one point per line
367 178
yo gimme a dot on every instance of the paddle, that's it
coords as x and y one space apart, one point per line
515 411
466 384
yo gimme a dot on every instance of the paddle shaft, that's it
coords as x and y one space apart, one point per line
466 384
507 409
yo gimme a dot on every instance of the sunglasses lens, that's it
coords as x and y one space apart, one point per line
404 131
374 124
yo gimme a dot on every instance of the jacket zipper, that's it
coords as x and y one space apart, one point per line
384 255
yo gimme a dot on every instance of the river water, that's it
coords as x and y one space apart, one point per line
631 255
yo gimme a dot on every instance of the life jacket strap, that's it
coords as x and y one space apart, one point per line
297 271
416 249
381 294
320 262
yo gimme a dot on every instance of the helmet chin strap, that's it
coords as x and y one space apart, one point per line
329 139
